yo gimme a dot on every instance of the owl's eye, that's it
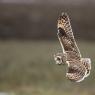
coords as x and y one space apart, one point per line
58 58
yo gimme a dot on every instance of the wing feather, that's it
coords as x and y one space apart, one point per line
66 37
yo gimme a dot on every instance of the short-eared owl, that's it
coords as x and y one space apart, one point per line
78 67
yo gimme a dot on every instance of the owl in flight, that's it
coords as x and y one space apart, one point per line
78 68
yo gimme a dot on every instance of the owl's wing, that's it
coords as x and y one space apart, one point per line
65 35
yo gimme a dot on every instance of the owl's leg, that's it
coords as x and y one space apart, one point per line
60 58
87 63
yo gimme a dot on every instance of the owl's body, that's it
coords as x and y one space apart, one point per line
78 67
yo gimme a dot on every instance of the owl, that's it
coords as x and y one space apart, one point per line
78 68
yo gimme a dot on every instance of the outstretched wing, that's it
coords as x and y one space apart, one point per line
66 36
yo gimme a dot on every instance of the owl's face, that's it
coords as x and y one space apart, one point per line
59 58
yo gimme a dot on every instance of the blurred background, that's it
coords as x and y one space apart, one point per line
28 41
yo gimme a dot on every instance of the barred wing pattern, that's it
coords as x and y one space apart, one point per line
78 67
66 36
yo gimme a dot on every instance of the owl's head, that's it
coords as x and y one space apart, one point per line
59 58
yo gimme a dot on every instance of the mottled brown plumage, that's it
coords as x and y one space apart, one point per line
78 67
